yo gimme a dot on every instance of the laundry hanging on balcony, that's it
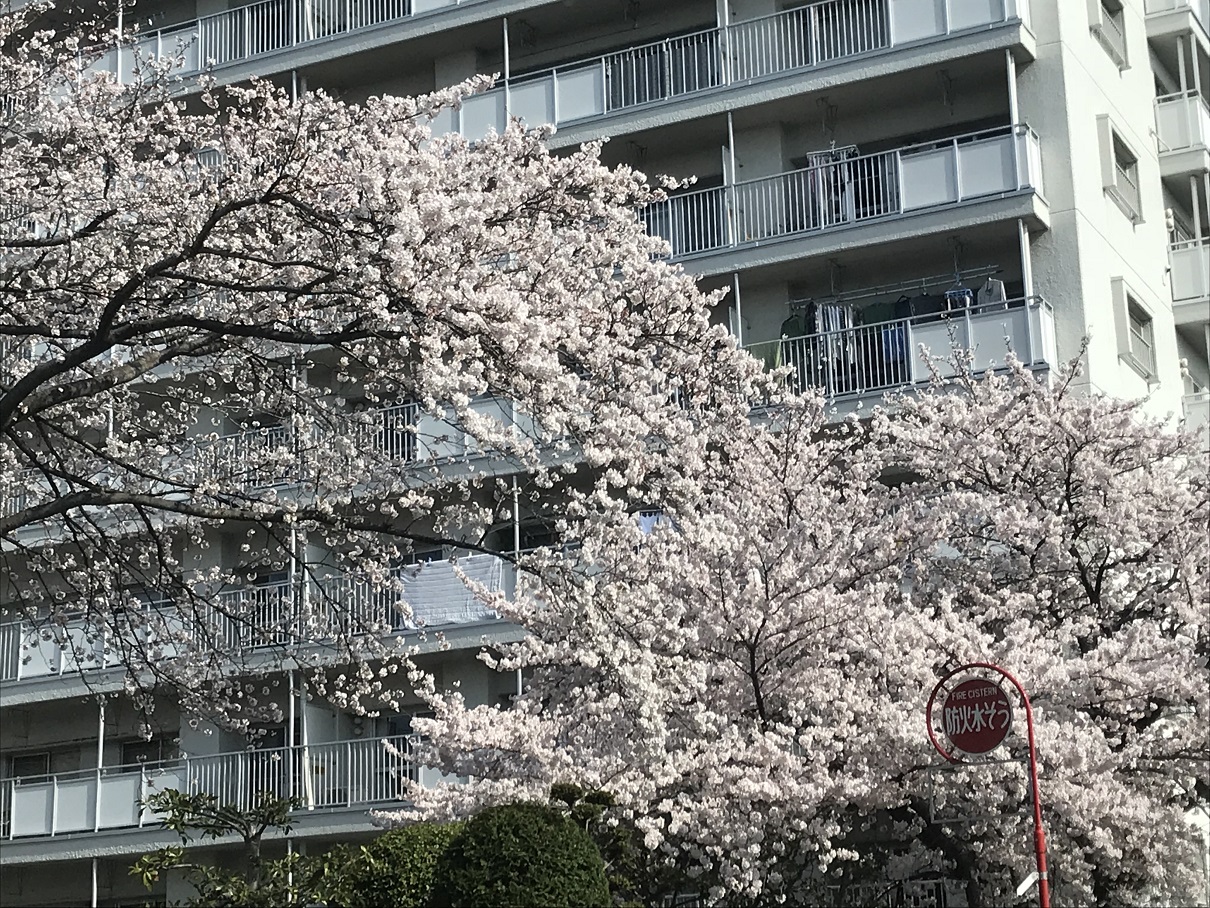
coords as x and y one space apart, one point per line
436 594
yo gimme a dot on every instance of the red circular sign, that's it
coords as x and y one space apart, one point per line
976 716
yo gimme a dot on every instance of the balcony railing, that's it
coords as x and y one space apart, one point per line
1109 32
884 356
324 775
265 615
247 32
850 191
815 35
1182 120
1190 261
1196 409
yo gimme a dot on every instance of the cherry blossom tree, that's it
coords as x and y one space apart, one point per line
241 328
748 679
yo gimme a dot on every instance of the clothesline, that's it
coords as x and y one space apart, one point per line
973 275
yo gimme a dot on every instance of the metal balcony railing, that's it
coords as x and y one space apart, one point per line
815 35
256 29
1109 32
850 191
272 614
1182 120
881 357
331 774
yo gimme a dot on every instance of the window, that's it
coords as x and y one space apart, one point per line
1135 330
25 766
1108 25
153 751
1119 170
1142 341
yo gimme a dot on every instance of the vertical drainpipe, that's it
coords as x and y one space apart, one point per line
1182 74
1027 268
291 738
1014 114
516 551
1196 206
508 107
94 883
723 21
1195 59
739 310
96 806
732 214
516 519
308 778
117 58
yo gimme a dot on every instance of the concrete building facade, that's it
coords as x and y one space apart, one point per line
871 175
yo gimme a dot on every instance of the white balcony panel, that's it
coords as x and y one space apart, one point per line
1196 408
120 800
987 167
580 93
1182 121
929 178
33 807
963 14
533 103
482 114
1190 270
915 20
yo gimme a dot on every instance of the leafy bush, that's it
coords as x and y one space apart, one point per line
393 871
521 855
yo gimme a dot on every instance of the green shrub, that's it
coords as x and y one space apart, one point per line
393 871
517 856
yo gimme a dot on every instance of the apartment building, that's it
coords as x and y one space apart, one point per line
871 176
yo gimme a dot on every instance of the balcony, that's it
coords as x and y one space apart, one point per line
806 38
1182 123
1190 274
337 774
263 616
1196 409
866 361
858 190
271 26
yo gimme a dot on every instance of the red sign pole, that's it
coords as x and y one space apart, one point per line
1039 833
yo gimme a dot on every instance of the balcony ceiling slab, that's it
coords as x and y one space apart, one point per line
715 103
944 221
1176 23
1194 312
1186 162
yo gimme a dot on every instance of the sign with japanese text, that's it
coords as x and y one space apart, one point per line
976 716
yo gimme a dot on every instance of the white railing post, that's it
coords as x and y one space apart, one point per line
54 804
957 169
